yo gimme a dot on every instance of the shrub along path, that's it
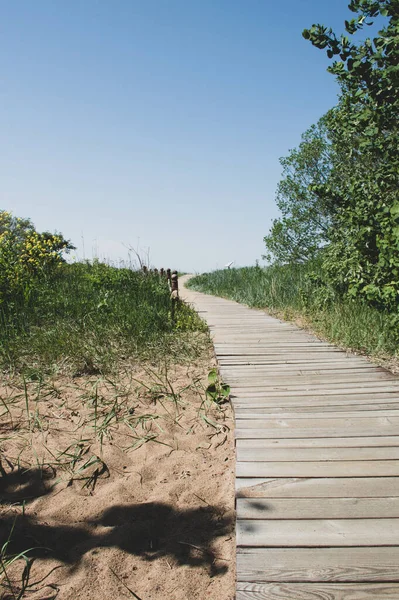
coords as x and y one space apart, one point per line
317 472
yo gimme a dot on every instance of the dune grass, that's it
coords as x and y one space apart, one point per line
85 318
295 293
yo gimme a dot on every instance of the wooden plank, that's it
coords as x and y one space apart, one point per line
251 381
248 402
374 564
321 422
268 414
312 430
322 388
250 351
321 366
309 508
287 345
287 399
339 487
344 468
335 363
225 345
282 365
343 442
338 362
318 533
250 453
301 410
244 433
317 591
310 392
277 374
234 373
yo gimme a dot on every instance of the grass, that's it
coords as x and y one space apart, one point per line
88 317
295 293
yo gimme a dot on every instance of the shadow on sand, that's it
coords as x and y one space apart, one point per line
150 530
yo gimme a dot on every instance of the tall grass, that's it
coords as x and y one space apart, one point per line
86 317
294 292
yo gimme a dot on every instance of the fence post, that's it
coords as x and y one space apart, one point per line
175 284
174 292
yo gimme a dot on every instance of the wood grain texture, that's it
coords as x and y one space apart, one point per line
322 508
317 533
252 414
339 487
266 565
344 468
317 591
314 454
344 442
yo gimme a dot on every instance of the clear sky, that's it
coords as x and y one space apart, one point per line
157 123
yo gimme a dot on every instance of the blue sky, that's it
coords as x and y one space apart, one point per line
157 123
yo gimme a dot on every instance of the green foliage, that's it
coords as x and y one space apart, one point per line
187 319
303 226
216 390
362 259
292 291
84 317
26 256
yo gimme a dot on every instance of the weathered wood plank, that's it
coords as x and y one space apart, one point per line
255 415
303 408
344 442
310 392
344 468
312 431
322 422
338 362
324 508
322 388
326 381
375 564
317 591
296 487
253 454
318 533
264 401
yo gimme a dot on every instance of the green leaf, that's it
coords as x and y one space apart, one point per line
212 376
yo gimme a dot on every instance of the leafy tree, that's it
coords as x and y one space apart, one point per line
305 218
362 258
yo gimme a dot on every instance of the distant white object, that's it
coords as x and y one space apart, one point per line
229 264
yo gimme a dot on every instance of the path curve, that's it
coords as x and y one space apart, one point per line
317 449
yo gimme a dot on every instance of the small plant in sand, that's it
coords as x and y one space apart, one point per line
217 391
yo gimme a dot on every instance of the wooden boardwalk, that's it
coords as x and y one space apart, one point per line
317 472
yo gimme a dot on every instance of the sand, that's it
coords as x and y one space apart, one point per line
139 506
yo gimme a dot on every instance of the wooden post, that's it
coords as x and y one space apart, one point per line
175 284
174 292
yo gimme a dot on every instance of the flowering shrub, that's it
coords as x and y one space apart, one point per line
26 256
